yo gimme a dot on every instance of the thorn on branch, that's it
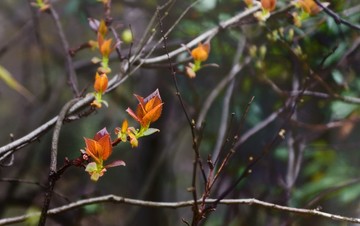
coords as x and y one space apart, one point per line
185 222
190 189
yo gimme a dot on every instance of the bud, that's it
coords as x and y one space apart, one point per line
190 71
102 30
127 36
262 51
201 53
310 7
101 83
106 48
268 5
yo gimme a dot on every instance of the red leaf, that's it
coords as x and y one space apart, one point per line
101 133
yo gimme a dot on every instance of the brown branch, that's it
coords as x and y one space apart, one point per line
195 141
181 204
53 176
72 79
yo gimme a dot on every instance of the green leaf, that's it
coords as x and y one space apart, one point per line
34 219
91 167
337 76
150 131
341 110
13 84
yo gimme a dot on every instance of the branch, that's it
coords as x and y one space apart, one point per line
258 127
34 135
72 79
227 97
175 205
236 68
8 149
206 35
53 161
195 142
336 17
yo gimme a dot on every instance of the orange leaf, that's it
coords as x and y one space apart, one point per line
92 149
102 30
132 114
152 115
106 147
148 110
105 47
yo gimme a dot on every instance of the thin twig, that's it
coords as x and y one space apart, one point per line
72 79
258 127
197 158
149 29
215 92
171 28
336 17
290 105
226 104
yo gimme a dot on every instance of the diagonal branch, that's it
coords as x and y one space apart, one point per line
72 79
336 17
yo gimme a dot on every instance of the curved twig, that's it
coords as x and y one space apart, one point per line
53 160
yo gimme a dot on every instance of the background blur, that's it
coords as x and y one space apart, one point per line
317 165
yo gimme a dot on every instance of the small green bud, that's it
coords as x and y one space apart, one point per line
127 36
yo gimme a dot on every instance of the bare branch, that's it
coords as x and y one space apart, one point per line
215 92
258 127
206 35
175 205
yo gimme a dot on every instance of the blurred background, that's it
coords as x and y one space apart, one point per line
315 66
